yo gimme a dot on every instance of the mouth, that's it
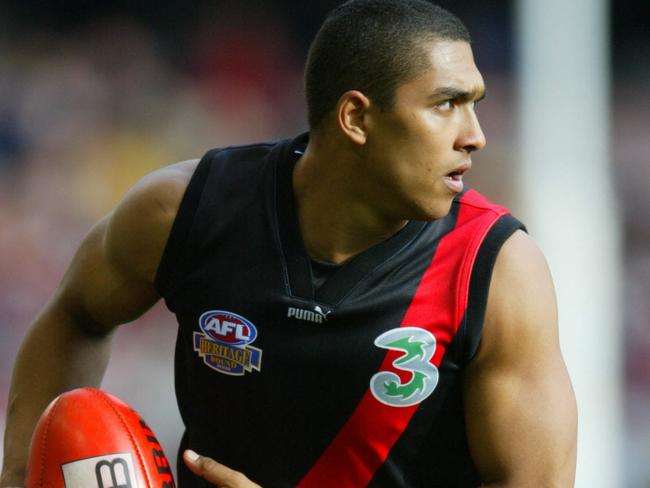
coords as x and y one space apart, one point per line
454 179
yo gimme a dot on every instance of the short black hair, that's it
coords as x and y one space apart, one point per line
373 46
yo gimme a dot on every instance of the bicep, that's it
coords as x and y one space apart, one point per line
521 414
111 278
99 292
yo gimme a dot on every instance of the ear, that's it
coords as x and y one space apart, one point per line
351 113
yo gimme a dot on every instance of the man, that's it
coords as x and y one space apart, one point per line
335 325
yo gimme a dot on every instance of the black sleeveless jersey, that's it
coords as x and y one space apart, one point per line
355 383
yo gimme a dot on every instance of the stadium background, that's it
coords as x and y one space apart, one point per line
95 94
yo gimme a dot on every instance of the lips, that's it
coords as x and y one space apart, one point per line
454 179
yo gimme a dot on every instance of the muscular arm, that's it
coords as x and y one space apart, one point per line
521 410
109 282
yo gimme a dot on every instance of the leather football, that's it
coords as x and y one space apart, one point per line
87 438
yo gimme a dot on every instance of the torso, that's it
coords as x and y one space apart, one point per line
290 384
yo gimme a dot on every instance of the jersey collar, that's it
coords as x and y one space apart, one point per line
297 264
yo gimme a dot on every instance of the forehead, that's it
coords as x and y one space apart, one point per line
450 64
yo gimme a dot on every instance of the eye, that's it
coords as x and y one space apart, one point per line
445 106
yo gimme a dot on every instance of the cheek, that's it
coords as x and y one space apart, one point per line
412 147
429 152
430 132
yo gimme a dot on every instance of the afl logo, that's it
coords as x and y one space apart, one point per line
227 328
224 343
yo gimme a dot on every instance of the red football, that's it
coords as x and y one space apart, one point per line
87 438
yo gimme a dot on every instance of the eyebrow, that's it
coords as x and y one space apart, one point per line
458 94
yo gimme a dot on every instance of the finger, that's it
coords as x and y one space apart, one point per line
216 473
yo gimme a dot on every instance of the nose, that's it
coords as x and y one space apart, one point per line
471 137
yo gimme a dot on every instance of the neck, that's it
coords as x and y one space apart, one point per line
335 221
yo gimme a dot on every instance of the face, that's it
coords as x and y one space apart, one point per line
417 151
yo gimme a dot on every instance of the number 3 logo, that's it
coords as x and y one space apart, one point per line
418 346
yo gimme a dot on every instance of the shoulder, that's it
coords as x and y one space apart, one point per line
521 273
521 309
520 258
138 228
156 196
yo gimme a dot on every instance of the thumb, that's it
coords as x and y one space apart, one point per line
216 473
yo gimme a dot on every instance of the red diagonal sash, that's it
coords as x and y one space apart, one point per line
363 444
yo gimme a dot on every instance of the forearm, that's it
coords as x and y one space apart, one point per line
57 354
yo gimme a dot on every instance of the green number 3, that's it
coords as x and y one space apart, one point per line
418 346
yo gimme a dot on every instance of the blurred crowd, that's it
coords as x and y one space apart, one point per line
87 111
84 114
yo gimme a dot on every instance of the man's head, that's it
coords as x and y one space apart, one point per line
373 46
392 88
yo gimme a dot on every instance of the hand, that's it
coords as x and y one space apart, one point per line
219 475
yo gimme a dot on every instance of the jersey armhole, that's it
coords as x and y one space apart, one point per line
176 247
480 281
